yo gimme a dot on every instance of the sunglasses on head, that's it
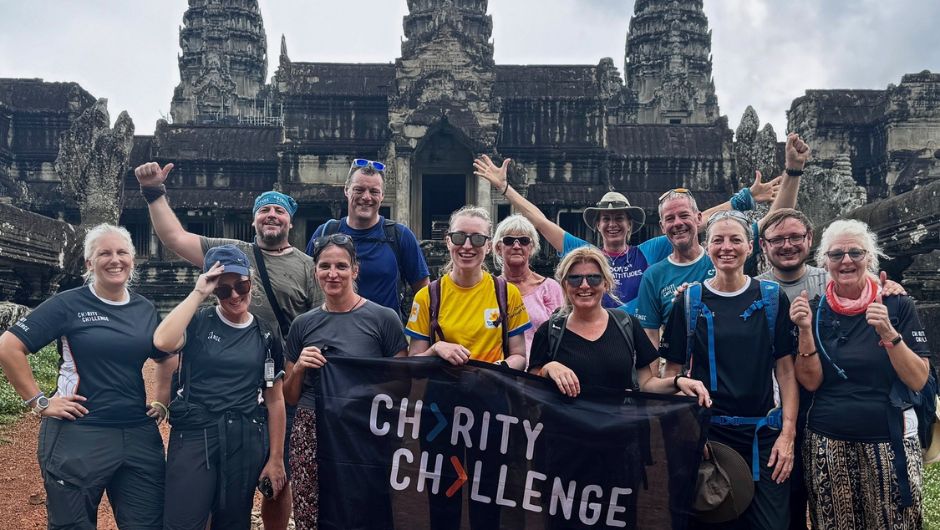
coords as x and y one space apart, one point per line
728 214
337 239
511 240
682 191
575 280
224 291
363 162
459 238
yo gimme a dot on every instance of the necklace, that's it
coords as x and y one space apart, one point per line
276 250
328 310
621 254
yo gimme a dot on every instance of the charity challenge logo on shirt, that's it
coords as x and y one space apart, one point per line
92 316
491 317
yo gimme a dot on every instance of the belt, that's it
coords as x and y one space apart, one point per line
773 420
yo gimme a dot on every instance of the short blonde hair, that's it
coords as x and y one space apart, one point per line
585 254
91 244
854 229
515 224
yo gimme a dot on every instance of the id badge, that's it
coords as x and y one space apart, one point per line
269 373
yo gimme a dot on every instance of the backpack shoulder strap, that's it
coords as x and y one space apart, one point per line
693 308
434 308
332 227
625 325
502 296
770 294
556 328
392 239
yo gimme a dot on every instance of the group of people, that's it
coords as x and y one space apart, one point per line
237 380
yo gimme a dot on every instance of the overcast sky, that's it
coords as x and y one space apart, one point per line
765 52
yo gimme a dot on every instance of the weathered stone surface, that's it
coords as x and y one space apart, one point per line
10 313
92 161
826 194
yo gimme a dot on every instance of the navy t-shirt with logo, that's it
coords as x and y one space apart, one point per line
103 345
226 361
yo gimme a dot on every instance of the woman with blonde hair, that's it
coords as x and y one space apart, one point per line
859 352
100 436
516 242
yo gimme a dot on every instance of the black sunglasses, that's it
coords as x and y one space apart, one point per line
224 291
321 242
593 280
363 162
459 238
511 240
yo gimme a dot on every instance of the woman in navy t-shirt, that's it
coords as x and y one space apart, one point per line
96 435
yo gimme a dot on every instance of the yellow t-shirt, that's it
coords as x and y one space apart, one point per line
469 316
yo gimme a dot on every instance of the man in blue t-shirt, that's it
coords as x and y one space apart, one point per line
679 219
615 219
387 251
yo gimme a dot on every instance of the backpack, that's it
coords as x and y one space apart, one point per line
434 293
556 328
769 301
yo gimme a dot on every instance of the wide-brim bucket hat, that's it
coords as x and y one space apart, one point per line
615 202
725 485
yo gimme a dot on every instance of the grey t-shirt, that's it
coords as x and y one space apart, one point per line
292 279
814 281
370 330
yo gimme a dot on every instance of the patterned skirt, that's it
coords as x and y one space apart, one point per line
853 485
303 464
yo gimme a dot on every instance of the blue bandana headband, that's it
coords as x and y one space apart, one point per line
277 198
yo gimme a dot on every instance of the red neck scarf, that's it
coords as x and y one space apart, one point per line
848 306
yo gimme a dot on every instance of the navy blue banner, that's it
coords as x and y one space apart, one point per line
416 443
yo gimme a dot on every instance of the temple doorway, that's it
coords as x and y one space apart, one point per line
443 181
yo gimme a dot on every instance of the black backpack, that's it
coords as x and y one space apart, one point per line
556 328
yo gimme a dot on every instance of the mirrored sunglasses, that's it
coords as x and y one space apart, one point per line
363 162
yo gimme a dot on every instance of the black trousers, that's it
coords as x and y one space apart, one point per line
80 462
214 471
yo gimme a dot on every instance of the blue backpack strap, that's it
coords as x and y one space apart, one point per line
773 420
770 295
693 308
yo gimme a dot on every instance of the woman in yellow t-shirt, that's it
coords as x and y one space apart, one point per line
468 313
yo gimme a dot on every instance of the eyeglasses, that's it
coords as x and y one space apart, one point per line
224 291
683 191
459 238
363 162
511 240
794 240
593 280
855 254
337 239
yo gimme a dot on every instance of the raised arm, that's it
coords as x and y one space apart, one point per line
484 168
170 335
186 244
797 153
760 191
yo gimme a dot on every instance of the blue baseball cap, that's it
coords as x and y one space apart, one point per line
230 256
275 197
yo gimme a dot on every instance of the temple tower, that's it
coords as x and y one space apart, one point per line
442 110
668 63
223 62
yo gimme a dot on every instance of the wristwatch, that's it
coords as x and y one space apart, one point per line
891 343
41 404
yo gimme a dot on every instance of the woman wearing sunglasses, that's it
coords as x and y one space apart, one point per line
346 325
516 242
737 345
220 440
857 353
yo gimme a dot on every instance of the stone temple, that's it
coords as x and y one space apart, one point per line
574 132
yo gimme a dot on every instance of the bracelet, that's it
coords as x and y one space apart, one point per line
161 407
810 354
152 193
742 201
506 188
794 172
675 380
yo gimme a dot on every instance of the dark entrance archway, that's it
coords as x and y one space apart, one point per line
443 180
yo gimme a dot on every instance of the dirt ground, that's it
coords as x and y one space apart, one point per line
22 501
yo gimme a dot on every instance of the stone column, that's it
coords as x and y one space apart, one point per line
484 196
401 167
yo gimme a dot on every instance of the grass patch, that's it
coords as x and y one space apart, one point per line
45 365
932 497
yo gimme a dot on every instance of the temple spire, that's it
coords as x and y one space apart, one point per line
223 64
465 21
668 63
